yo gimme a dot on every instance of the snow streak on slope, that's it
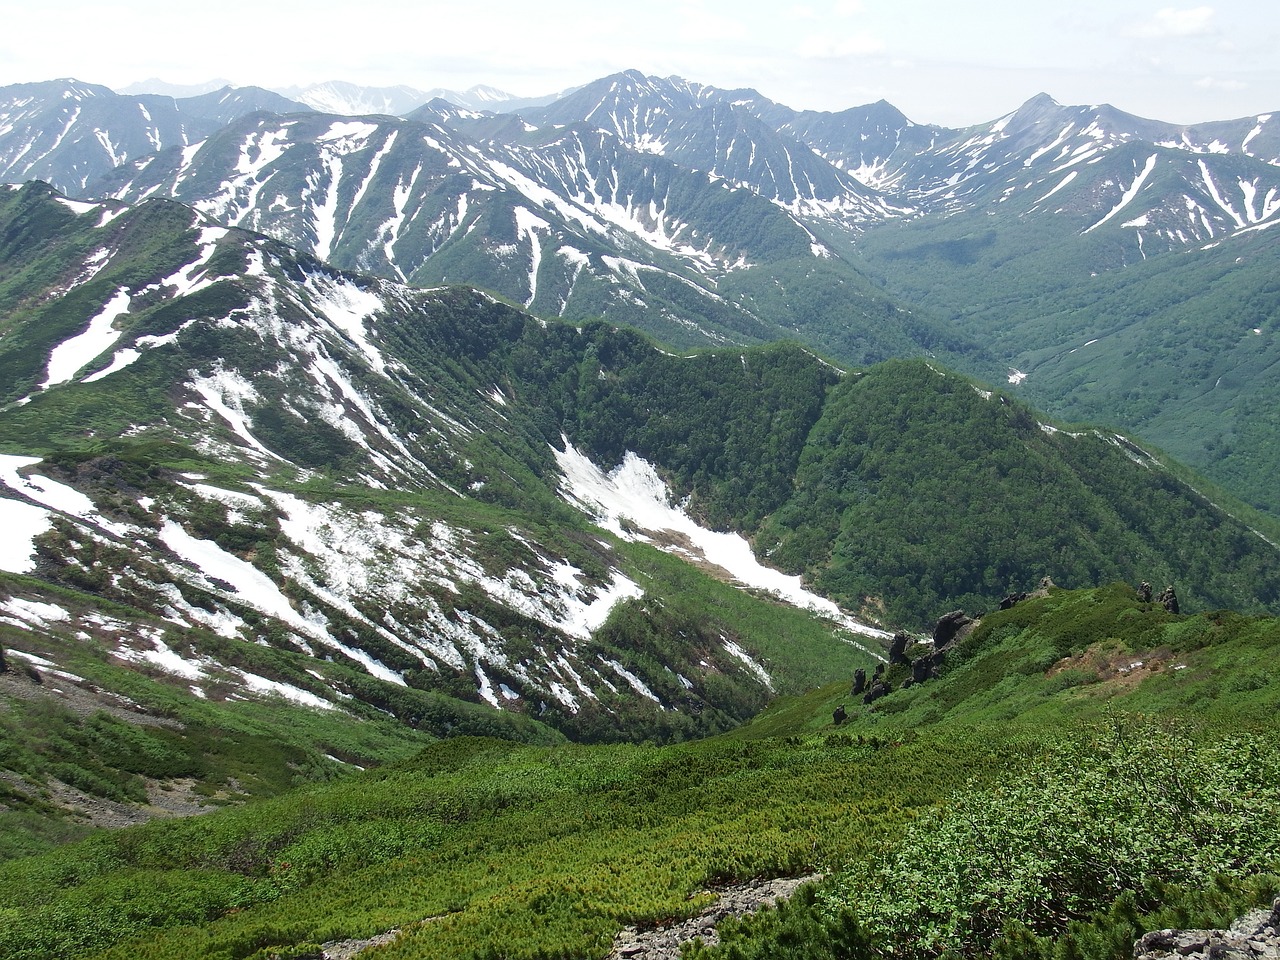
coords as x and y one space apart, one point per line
634 492
1129 194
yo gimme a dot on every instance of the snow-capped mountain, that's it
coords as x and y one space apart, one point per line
365 486
1181 185
154 85
568 221
709 216
70 133
721 133
239 470
355 100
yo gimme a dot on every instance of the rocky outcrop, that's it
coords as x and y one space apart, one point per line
948 628
1255 936
877 690
926 667
663 943
859 682
898 649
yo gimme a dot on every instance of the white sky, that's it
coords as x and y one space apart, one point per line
937 60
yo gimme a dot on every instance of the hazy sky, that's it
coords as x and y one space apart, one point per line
937 60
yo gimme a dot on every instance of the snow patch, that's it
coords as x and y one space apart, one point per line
633 492
71 355
1130 193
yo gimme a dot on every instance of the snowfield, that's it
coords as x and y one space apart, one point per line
634 492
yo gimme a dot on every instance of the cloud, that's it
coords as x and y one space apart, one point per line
1213 83
1172 22
836 48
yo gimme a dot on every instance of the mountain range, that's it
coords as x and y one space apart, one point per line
537 528
1053 247
607 420
239 443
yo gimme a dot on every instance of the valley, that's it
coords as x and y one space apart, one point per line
481 533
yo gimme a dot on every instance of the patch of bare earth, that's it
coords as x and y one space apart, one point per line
1116 670
663 943
167 798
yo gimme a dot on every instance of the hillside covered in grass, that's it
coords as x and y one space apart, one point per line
249 491
1025 803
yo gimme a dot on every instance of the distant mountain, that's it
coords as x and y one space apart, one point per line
351 99
354 100
70 133
709 216
404 493
718 132
277 512
568 221
368 479
176 90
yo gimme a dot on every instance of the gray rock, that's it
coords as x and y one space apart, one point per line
1255 936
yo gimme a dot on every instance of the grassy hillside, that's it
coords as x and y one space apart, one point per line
902 490
1028 768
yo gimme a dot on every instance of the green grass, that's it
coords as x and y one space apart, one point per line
477 847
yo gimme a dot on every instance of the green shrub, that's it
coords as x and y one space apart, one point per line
1127 813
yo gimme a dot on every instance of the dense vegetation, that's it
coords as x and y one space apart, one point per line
1180 348
1063 821
921 491
901 491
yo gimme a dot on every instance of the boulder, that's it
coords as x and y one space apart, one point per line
876 691
1255 936
898 648
948 627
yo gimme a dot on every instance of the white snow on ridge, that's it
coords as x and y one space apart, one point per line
356 130
76 206
1217 197
34 612
250 584
634 492
1244 145
347 307
120 360
756 669
1065 180
527 226
22 523
161 656
633 681
225 392
50 494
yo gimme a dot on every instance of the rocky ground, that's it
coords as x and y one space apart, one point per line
663 943
655 943
1255 936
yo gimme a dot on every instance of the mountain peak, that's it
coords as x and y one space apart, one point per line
1040 100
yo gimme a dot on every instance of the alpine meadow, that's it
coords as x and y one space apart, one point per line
648 521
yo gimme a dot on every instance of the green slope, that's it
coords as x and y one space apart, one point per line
1180 348
477 848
